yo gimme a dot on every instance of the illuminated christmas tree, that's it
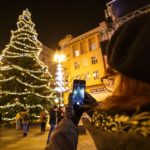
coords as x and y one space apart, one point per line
60 84
22 75
59 79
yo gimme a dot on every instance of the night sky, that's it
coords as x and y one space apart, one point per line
53 18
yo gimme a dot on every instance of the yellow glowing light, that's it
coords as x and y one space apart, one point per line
58 57
56 100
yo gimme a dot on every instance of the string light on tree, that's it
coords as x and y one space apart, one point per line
22 73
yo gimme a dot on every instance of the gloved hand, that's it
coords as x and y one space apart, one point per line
90 104
90 101
75 112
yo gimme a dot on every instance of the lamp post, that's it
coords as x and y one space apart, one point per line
59 57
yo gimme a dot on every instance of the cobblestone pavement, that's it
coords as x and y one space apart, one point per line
12 139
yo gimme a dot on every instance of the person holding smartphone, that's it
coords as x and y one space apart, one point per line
122 121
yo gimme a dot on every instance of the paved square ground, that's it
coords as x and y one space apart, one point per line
12 139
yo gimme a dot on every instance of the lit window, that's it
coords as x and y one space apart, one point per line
77 53
85 62
96 75
87 76
77 76
94 60
76 65
93 46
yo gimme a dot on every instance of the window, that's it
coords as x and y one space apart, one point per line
77 76
76 65
83 47
87 76
85 62
92 44
94 60
96 75
76 51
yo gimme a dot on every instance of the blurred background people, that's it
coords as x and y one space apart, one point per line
52 121
43 119
18 120
61 111
25 122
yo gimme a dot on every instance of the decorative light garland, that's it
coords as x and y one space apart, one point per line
19 68
25 31
24 34
22 21
33 86
14 53
8 79
20 49
9 106
26 38
26 93
27 45
22 55
59 80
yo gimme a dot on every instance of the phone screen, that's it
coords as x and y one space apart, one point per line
78 92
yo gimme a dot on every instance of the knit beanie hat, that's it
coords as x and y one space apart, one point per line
129 48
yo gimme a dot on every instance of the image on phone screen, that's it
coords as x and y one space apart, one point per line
78 93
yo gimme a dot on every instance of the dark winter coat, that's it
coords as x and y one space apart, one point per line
118 130
60 115
64 137
116 141
25 117
53 117
110 131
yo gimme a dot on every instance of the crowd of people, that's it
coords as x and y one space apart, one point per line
53 117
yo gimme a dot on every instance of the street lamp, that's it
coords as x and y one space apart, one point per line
59 57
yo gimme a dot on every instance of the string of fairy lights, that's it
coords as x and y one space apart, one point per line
18 104
20 69
26 71
26 32
15 54
28 46
33 86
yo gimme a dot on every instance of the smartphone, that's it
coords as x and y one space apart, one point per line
78 93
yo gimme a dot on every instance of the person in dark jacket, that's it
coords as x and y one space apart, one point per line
122 121
43 119
25 121
60 113
52 121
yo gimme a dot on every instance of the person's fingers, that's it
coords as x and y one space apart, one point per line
70 99
89 98
87 95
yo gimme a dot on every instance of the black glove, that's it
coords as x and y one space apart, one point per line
73 112
90 104
90 101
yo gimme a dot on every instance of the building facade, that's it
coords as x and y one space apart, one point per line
85 60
